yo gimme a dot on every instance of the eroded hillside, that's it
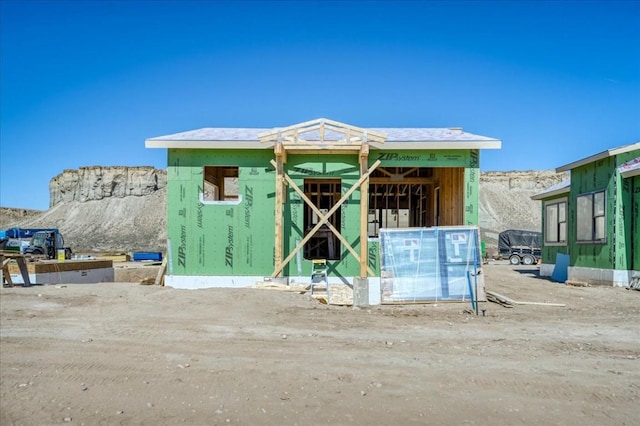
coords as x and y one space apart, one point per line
123 209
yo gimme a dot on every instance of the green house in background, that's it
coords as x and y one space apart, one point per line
593 219
247 203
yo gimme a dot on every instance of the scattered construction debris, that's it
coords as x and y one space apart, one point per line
635 282
5 259
269 285
576 283
340 294
507 302
161 273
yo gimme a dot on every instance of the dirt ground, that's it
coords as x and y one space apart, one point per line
125 353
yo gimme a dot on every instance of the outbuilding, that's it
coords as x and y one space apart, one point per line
591 222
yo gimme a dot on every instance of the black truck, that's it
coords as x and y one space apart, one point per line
520 247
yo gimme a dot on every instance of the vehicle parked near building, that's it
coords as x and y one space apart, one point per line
49 243
520 247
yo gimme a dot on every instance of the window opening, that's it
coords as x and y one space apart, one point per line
220 183
324 194
399 198
591 217
556 222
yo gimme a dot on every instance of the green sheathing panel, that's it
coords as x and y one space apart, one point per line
307 166
596 176
635 223
549 253
468 159
220 239
238 238
471 184
624 217
425 158
374 256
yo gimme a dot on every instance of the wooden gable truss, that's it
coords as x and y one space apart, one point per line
326 137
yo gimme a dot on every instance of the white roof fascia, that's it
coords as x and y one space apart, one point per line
599 156
489 144
397 138
630 168
631 173
191 144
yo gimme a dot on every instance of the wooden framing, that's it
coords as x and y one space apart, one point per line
279 165
364 213
451 183
322 220
5 258
326 137
321 217
322 134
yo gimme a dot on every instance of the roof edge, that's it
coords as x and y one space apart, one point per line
252 144
599 156
563 187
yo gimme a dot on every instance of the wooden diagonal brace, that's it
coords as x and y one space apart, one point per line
324 219
321 216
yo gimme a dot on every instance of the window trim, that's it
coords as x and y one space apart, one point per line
220 202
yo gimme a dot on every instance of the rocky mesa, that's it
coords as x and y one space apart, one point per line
123 209
97 183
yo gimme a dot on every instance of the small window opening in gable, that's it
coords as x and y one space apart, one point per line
220 183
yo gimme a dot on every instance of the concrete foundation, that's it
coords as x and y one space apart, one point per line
193 282
66 272
597 276
360 292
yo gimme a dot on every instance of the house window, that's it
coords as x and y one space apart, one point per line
590 217
555 222
220 183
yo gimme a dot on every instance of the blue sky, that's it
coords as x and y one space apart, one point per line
84 83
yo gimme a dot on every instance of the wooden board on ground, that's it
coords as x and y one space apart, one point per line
492 296
268 285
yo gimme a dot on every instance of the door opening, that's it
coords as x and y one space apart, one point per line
324 194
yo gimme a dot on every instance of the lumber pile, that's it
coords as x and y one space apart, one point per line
337 294
269 285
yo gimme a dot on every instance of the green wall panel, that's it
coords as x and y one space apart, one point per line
596 176
472 182
304 166
238 238
421 158
635 223
226 238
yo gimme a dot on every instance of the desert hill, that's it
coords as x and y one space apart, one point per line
123 209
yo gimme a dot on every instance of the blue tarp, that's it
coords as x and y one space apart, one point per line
561 269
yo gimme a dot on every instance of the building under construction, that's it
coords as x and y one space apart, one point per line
249 204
